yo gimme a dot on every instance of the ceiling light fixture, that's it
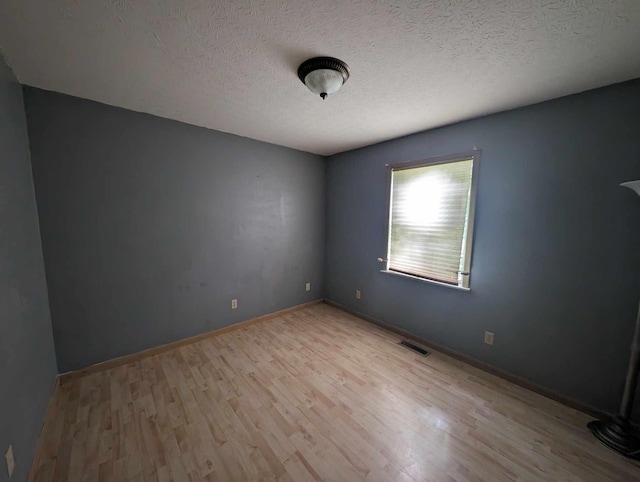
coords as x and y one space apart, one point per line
323 75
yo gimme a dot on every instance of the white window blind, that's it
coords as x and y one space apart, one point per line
429 219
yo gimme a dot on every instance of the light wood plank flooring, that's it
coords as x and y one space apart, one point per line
312 395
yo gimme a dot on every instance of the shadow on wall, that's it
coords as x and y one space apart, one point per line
28 365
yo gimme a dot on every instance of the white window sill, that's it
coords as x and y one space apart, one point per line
430 281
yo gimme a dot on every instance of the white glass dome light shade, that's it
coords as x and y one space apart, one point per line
324 81
323 75
633 185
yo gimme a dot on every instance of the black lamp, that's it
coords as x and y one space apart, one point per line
619 434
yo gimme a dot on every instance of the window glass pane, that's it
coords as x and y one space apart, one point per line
429 207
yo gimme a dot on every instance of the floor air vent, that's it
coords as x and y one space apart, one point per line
413 347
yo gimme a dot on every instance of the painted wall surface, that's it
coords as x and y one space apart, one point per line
150 227
556 265
27 360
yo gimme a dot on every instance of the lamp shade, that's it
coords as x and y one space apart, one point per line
634 185
323 81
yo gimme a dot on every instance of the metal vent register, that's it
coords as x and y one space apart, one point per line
413 347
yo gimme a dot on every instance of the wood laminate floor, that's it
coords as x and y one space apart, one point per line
312 395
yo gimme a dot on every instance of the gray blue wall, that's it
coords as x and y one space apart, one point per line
556 264
27 359
150 227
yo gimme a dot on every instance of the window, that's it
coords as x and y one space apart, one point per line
431 207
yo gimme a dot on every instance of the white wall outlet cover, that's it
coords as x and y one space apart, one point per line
358 294
11 463
488 338
308 286
234 304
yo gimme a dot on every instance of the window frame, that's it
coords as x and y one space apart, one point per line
473 155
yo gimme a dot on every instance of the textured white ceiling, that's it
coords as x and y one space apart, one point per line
231 65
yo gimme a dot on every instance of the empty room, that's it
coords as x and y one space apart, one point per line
253 240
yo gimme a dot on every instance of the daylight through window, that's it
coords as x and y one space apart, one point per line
431 219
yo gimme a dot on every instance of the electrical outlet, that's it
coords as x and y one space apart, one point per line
234 304
488 338
308 286
11 463
358 294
